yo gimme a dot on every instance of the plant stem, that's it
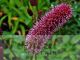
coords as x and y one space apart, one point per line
34 57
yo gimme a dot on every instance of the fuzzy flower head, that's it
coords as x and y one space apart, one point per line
46 26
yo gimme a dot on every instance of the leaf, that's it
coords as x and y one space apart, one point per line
75 39
15 27
66 38
18 38
9 19
1 20
22 30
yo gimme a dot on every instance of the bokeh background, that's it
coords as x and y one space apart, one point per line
18 16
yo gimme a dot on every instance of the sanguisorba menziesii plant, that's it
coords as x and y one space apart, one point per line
46 26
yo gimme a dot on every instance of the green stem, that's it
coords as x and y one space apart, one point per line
34 57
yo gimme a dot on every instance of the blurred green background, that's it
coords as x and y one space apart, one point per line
59 47
18 16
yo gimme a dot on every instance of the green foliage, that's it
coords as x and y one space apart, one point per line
59 47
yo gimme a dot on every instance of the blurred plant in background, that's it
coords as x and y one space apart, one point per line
59 47
18 16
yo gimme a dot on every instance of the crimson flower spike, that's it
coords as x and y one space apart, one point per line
46 26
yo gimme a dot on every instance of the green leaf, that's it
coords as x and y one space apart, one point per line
75 39
22 30
15 27
1 20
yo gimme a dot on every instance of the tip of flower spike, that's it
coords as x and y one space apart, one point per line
64 10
